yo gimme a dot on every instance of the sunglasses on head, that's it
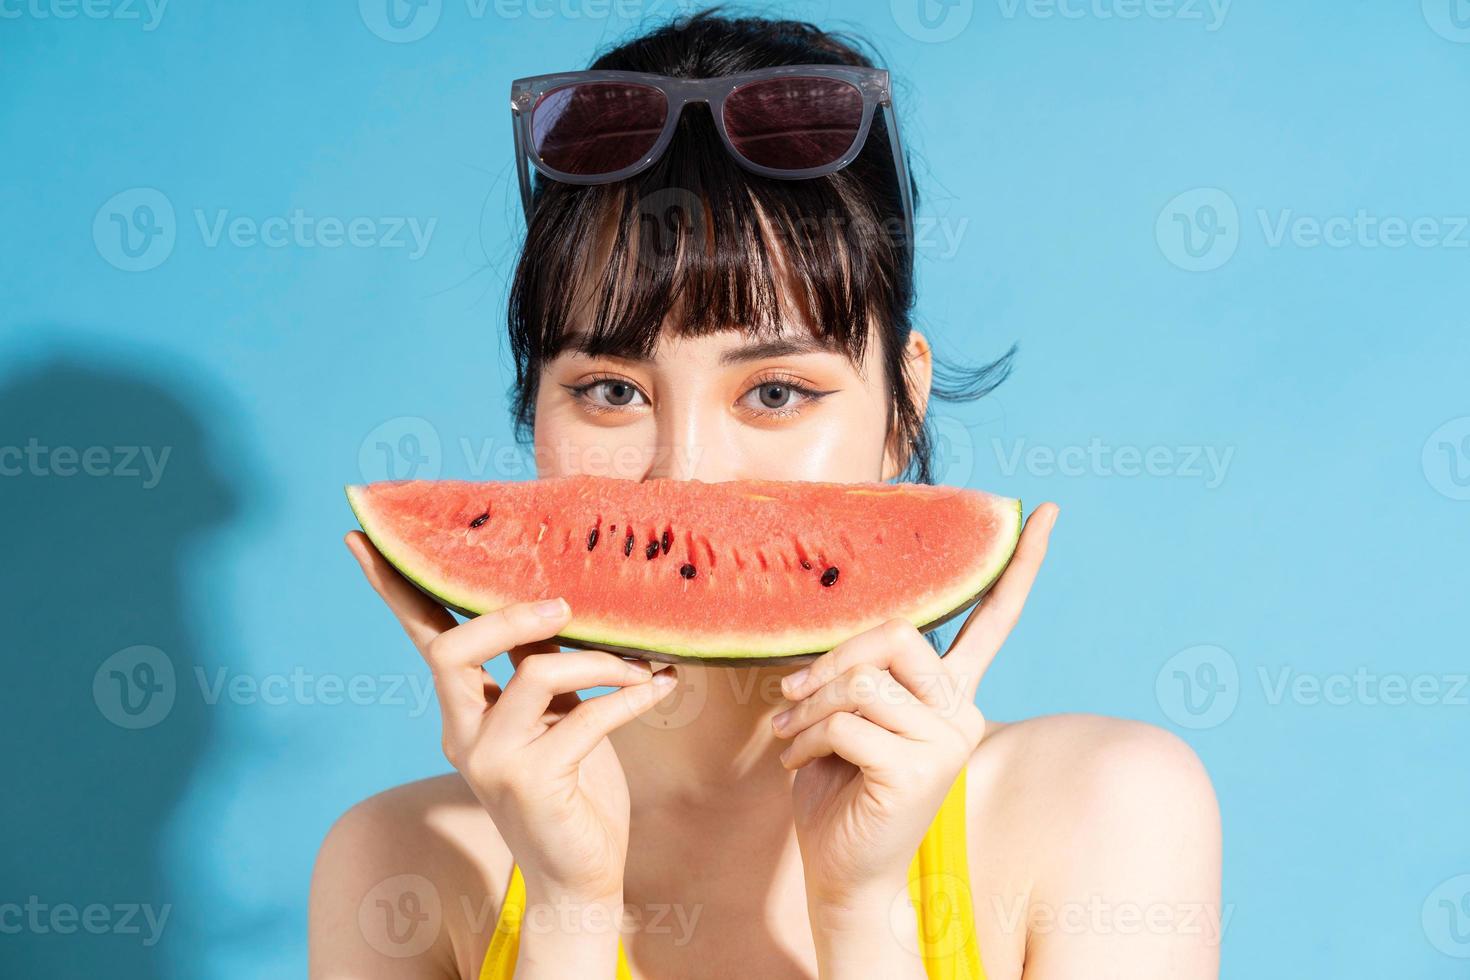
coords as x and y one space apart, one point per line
790 122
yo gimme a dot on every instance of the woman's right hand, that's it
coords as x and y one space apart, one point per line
536 755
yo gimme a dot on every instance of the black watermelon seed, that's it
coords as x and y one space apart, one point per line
686 570
668 541
592 539
613 528
651 550
806 564
480 520
628 545
829 577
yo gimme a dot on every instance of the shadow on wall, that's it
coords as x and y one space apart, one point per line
105 480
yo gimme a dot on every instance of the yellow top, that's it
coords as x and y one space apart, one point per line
939 888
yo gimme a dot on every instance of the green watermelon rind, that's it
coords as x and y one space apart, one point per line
932 617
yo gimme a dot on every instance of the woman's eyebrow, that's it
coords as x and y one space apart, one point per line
783 347
779 347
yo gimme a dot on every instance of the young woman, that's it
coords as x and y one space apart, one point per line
724 293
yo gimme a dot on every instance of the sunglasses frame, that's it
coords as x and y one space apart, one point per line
871 83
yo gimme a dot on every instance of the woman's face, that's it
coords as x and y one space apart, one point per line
722 407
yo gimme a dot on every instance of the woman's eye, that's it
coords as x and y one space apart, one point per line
612 393
770 398
779 398
774 395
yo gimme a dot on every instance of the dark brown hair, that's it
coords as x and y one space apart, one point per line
683 241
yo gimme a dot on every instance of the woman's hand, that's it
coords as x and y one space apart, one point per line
535 755
880 729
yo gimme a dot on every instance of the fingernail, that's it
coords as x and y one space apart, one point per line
791 683
664 678
780 720
551 608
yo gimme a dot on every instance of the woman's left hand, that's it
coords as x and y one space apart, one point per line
880 728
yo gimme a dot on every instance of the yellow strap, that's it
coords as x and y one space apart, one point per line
505 945
939 887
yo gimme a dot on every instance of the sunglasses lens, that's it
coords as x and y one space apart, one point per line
794 123
597 127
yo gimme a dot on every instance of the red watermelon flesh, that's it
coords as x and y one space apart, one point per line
738 572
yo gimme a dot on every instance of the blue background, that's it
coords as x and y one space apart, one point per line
1332 546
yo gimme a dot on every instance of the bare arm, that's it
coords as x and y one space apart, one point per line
373 913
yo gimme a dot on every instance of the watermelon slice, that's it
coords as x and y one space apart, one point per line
741 572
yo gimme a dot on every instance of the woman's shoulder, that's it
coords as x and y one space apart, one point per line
427 825
1071 811
1091 774
418 865
1098 749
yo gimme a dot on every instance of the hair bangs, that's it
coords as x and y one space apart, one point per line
697 244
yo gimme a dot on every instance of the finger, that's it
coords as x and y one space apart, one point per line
858 740
421 617
562 704
896 646
488 635
866 691
988 625
518 714
456 658
574 737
